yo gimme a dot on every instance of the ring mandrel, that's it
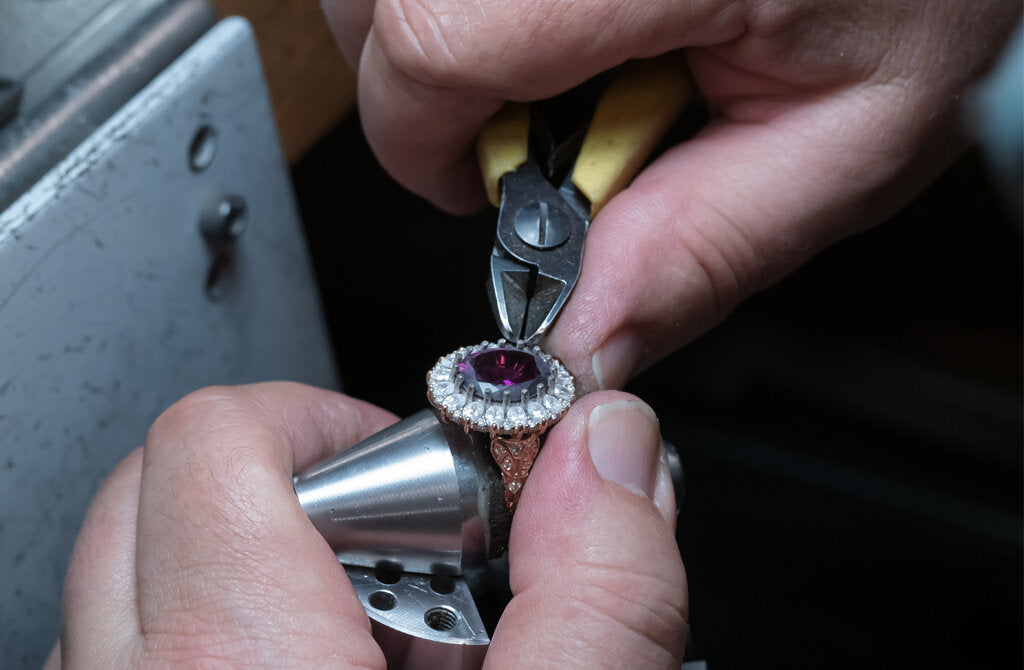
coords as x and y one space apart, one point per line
421 495
410 512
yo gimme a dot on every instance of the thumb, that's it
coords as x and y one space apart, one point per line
595 571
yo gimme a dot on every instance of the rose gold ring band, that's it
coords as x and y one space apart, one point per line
514 456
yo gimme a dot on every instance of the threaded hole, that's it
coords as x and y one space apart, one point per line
383 600
441 618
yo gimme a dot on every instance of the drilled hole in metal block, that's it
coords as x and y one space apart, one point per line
203 148
387 572
383 600
442 584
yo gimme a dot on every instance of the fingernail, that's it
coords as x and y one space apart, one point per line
625 444
664 492
616 360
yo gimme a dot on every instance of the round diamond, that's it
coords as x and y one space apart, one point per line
474 410
442 389
454 402
552 403
494 414
516 414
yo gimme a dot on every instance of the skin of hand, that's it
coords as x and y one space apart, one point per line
195 551
827 116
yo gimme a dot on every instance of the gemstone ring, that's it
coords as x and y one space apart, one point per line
510 391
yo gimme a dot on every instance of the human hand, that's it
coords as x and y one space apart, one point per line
827 117
195 550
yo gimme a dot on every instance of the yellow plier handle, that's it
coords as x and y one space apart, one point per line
633 114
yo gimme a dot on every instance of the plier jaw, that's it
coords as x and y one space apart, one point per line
538 248
537 254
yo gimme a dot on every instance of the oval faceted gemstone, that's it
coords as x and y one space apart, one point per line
499 370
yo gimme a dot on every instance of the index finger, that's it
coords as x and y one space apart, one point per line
227 562
432 73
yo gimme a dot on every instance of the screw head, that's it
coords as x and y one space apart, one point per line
541 226
225 220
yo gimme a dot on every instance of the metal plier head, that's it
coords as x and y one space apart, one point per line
543 218
538 251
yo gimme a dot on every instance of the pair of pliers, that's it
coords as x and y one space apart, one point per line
538 248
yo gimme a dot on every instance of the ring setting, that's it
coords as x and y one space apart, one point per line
510 391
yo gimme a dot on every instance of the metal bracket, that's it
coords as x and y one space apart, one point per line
104 315
422 621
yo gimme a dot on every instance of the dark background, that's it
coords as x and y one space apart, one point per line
851 437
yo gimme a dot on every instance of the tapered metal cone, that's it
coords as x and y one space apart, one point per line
418 496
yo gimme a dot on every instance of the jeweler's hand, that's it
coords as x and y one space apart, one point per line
829 115
596 575
195 550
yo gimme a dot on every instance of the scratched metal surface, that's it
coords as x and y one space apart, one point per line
43 43
104 320
422 622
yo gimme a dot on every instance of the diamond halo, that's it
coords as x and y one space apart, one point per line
514 405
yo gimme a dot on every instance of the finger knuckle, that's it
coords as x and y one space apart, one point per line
198 408
431 42
726 263
217 455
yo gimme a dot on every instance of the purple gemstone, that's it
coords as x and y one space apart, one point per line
499 370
